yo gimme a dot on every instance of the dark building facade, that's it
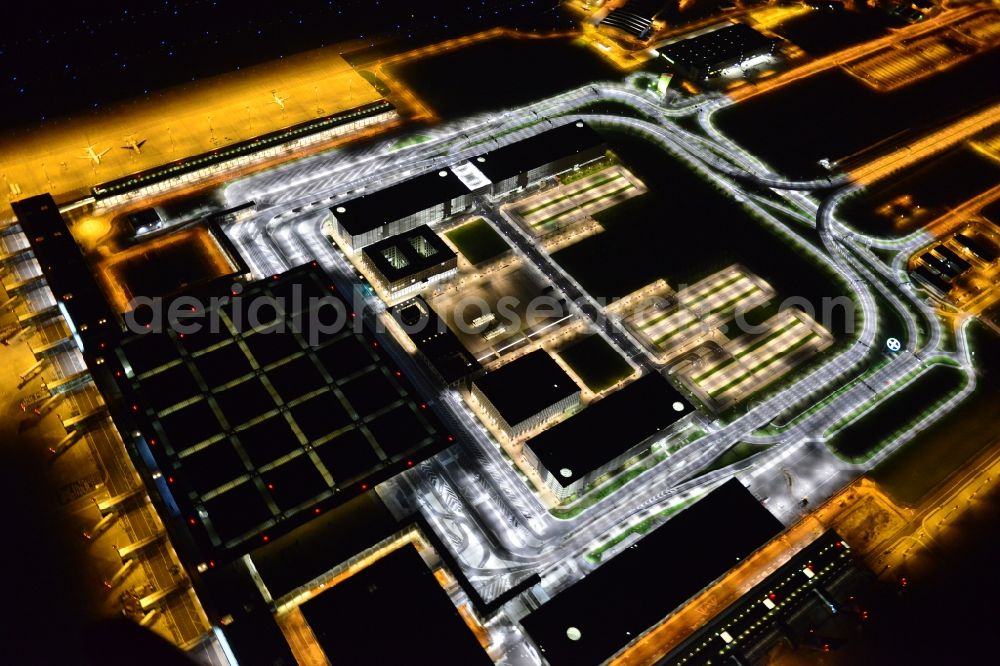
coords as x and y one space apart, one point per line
440 348
584 447
408 261
434 196
525 393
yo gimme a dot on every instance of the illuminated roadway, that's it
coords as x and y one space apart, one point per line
499 530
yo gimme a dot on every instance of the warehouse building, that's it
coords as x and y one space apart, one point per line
525 393
710 53
409 261
572 454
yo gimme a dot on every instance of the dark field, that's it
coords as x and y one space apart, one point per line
947 445
898 411
935 186
478 241
88 55
471 79
596 362
833 115
819 33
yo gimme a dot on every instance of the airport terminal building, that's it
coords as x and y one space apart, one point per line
437 195
525 393
522 163
572 454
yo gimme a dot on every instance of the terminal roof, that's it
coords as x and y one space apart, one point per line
374 209
609 427
266 419
526 386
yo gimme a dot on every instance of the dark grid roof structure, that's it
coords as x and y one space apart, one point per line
257 428
392 612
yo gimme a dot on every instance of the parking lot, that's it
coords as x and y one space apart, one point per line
729 374
553 209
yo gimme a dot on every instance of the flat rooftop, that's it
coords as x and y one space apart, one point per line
314 548
392 612
260 426
530 153
439 345
643 584
408 253
525 386
718 46
373 209
609 427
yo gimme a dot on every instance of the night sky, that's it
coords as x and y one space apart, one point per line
88 54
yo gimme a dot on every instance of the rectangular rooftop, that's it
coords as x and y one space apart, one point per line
593 619
538 150
408 253
526 386
609 427
393 611
374 209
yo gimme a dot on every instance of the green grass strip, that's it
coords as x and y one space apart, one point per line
711 371
679 329
734 300
767 338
